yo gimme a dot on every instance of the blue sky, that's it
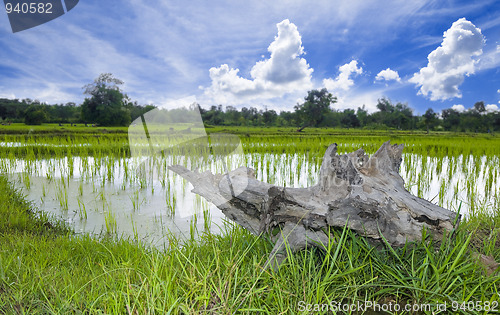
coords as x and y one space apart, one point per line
434 54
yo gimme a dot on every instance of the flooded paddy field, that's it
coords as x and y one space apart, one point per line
96 186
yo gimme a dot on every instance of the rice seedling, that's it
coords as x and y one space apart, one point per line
110 222
62 195
134 229
82 211
26 180
80 188
171 202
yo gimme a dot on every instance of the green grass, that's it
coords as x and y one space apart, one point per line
47 269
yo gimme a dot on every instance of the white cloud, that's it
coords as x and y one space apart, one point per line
7 95
491 108
357 99
348 97
284 72
388 75
459 108
170 103
449 63
490 59
343 82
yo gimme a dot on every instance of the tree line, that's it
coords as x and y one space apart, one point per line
107 105
316 111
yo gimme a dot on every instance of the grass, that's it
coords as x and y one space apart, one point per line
47 269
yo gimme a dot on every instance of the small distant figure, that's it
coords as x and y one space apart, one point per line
60 125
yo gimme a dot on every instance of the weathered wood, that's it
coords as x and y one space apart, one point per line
365 193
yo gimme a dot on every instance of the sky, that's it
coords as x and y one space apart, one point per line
266 54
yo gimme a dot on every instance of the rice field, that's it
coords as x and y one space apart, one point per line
94 183
166 261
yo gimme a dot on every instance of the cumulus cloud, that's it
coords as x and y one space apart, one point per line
450 62
388 75
343 82
459 108
284 72
347 96
491 108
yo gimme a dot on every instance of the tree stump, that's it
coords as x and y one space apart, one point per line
364 193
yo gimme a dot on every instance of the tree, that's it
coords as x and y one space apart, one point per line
479 107
349 119
313 110
214 116
430 119
269 117
287 118
3 112
404 116
34 115
106 106
385 105
451 119
362 115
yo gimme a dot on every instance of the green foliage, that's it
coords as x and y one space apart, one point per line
430 119
479 107
106 106
34 115
476 119
451 119
349 119
398 116
317 104
12 110
137 110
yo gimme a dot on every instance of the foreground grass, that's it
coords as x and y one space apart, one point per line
47 269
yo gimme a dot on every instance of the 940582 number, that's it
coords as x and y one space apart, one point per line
29 8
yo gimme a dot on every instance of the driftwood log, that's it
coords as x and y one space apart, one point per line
365 193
